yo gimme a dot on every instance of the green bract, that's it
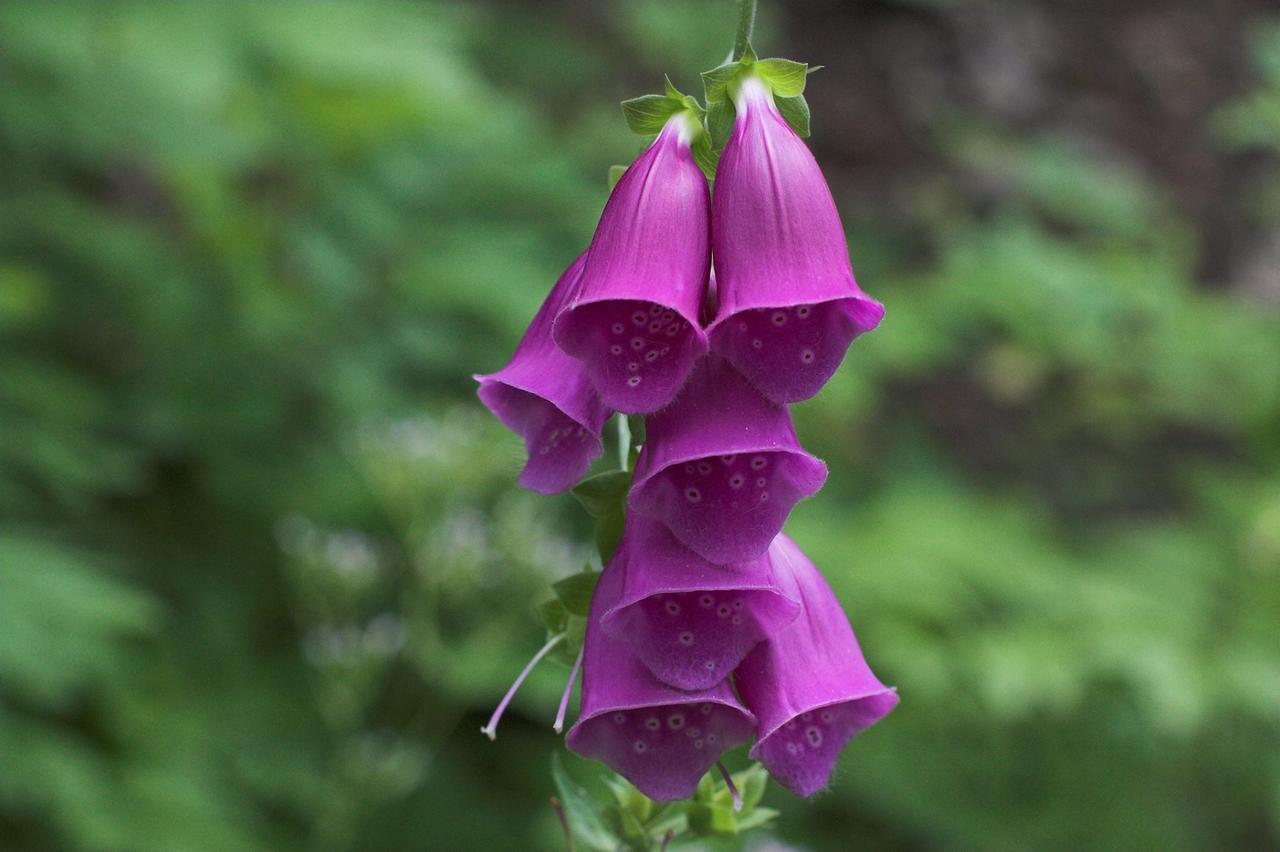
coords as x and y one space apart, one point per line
784 77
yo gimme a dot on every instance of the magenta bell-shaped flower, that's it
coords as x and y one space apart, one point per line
634 323
545 397
788 303
722 467
808 684
659 738
689 621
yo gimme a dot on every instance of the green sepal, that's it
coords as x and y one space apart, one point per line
575 592
715 83
648 114
785 77
720 119
751 784
615 175
554 616
609 535
580 811
705 155
603 493
755 819
796 112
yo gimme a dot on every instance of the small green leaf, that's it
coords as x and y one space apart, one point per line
785 77
705 156
647 114
757 818
720 120
575 592
604 493
751 783
672 91
580 811
796 112
615 175
553 615
715 83
609 534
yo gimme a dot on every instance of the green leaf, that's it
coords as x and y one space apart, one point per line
615 175
796 112
575 592
604 493
609 534
757 818
785 78
553 615
751 783
715 83
647 114
705 155
720 120
580 811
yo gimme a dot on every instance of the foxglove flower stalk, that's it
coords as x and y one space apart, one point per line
659 738
634 323
545 397
788 303
722 467
809 685
689 621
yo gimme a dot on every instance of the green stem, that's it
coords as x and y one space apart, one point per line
746 24
624 440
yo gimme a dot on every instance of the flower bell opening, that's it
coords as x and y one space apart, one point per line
661 739
689 621
634 322
490 730
722 467
789 306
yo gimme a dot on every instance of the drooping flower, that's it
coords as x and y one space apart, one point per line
788 303
722 467
689 621
545 397
634 323
808 684
659 738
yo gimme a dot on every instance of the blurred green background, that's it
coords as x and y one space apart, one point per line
263 570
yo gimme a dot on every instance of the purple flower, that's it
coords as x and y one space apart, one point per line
722 466
634 323
809 685
545 397
659 738
789 306
689 621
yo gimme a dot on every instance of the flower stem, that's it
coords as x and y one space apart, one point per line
568 690
746 24
491 730
624 440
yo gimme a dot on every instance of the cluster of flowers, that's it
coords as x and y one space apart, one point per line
704 589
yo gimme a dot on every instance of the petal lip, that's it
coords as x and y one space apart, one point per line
545 397
681 734
809 684
720 414
778 242
651 249
689 621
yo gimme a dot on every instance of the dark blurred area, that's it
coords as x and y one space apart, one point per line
263 567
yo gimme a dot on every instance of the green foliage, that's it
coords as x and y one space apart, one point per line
263 574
